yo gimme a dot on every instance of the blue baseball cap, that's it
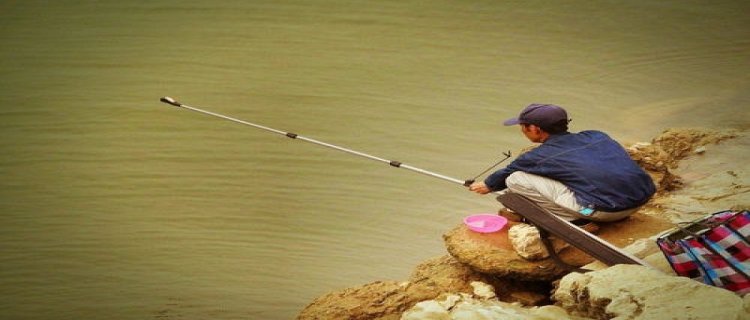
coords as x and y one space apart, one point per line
541 115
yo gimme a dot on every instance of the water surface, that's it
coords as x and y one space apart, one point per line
115 205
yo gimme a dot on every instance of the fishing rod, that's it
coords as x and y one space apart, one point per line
393 163
470 181
589 244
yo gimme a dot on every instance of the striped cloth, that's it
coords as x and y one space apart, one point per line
714 250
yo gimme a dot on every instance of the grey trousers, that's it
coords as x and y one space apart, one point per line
556 198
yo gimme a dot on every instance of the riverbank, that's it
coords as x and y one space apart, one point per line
697 172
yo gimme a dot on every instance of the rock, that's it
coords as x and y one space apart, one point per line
483 290
643 247
446 274
376 300
479 305
656 162
637 292
428 310
526 241
678 143
492 253
713 182
664 152
388 299
526 296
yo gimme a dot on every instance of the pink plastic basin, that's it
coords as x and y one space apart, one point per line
485 223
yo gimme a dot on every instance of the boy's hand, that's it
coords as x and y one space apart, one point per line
479 187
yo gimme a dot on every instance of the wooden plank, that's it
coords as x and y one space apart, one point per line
568 232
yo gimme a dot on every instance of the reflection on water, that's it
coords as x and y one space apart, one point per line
116 204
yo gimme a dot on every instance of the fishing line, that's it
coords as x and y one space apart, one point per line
472 180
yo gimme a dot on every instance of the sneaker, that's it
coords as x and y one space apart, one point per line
510 215
587 225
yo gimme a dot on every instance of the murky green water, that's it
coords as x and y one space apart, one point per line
113 205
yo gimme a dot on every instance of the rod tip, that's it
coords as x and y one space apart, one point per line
169 100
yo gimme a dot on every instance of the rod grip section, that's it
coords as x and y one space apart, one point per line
291 135
468 183
395 164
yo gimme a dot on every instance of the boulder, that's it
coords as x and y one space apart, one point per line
662 155
388 299
714 181
446 274
637 292
377 300
482 304
527 242
492 253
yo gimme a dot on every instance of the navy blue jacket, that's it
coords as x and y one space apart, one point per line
596 168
